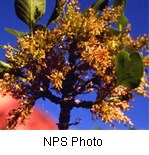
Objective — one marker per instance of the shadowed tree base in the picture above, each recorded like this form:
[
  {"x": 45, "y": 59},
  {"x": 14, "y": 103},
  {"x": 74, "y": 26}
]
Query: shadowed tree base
[{"x": 64, "y": 117}]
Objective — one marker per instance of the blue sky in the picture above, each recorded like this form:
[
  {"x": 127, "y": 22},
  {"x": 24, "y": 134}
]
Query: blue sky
[{"x": 136, "y": 12}]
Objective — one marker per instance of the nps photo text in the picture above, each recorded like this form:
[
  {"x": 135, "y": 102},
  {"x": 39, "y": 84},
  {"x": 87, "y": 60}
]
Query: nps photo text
[{"x": 72, "y": 141}]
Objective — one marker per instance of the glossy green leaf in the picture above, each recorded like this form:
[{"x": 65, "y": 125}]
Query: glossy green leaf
[
  {"x": 30, "y": 11},
  {"x": 4, "y": 66},
  {"x": 129, "y": 69},
  {"x": 15, "y": 32},
  {"x": 59, "y": 6},
  {"x": 122, "y": 20}
]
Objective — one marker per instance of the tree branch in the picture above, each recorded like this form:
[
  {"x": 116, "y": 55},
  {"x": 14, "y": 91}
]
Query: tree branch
[
  {"x": 82, "y": 104},
  {"x": 47, "y": 94}
]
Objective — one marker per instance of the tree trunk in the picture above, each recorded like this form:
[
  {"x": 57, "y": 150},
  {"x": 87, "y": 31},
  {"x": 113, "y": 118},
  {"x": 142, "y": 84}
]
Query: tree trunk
[{"x": 64, "y": 117}]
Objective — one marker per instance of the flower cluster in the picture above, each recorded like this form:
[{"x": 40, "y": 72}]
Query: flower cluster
[
  {"x": 111, "y": 108},
  {"x": 36, "y": 56},
  {"x": 19, "y": 115},
  {"x": 82, "y": 45},
  {"x": 56, "y": 78},
  {"x": 80, "y": 26},
  {"x": 37, "y": 63},
  {"x": 111, "y": 112},
  {"x": 143, "y": 88},
  {"x": 96, "y": 55},
  {"x": 137, "y": 44}
]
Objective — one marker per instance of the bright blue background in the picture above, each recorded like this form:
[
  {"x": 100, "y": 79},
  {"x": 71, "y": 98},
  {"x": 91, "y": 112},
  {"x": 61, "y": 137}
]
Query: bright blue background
[{"x": 137, "y": 13}]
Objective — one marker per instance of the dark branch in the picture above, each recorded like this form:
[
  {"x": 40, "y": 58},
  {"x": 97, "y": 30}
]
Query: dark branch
[
  {"x": 72, "y": 103},
  {"x": 47, "y": 94},
  {"x": 82, "y": 104}
]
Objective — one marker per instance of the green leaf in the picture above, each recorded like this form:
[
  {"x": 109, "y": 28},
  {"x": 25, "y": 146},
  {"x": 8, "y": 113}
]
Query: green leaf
[
  {"x": 122, "y": 20},
  {"x": 30, "y": 11},
  {"x": 120, "y": 2},
  {"x": 114, "y": 31},
  {"x": 129, "y": 69},
  {"x": 99, "y": 5},
  {"x": 39, "y": 27},
  {"x": 15, "y": 32},
  {"x": 59, "y": 6},
  {"x": 4, "y": 66}
]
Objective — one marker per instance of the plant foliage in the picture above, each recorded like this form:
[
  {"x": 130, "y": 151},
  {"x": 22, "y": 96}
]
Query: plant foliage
[
  {"x": 15, "y": 32},
  {"x": 122, "y": 21},
  {"x": 82, "y": 54},
  {"x": 30, "y": 11},
  {"x": 129, "y": 69}
]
